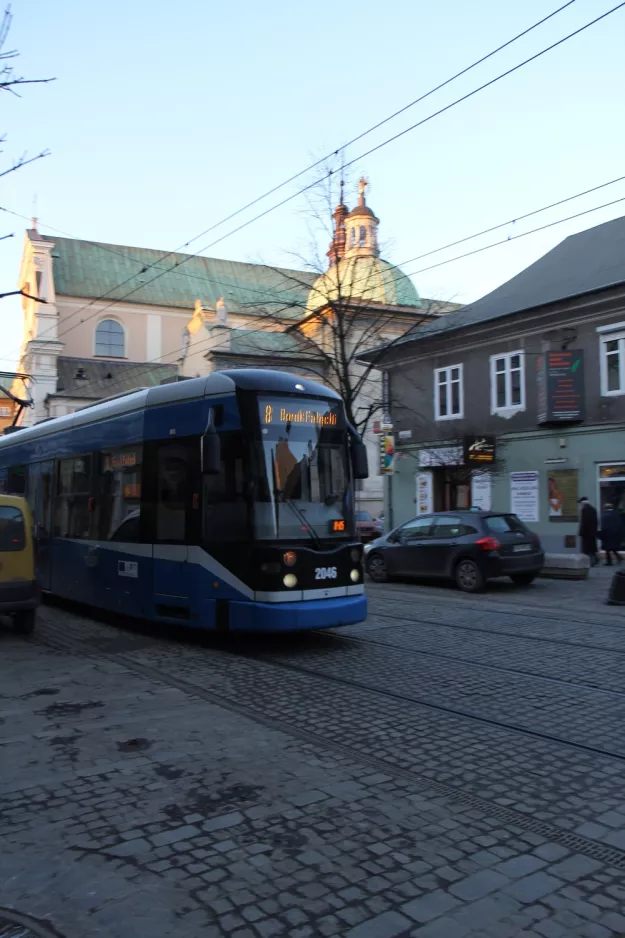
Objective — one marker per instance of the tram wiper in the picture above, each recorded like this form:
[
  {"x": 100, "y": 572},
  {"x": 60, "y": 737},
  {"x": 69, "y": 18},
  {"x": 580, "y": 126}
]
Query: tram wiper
[{"x": 300, "y": 515}]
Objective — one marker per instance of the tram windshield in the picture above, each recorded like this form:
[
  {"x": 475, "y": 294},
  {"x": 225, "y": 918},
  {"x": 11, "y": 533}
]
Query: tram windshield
[{"x": 303, "y": 489}]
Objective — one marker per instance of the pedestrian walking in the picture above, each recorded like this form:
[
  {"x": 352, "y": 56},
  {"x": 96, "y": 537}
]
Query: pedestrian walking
[
  {"x": 588, "y": 526},
  {"x": 611, "y": 533}
]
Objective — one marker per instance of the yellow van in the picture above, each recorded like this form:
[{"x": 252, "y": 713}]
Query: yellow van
[{"x": 19, "y": 595}]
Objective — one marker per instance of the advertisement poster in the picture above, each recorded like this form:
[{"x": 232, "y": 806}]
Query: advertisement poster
[
  {"x": 387, "y": 453},
  {"x": 425, "y": 493},
  {"x": 562, "y": 494},
  {"x": 560, "y": 386},
  {"x": 481, "y": 491},
  {"x": 524, "y": 498}
]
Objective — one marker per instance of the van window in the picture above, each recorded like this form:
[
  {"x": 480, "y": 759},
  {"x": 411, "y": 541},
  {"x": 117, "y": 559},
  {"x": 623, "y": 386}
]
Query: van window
[{"x": 12, "y": 532}]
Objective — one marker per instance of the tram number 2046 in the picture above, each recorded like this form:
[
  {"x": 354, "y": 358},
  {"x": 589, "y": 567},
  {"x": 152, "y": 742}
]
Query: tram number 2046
[{"x": 325, "y": 573}]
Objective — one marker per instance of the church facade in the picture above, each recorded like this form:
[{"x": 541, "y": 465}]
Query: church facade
[{"x": 103, "y": 319}]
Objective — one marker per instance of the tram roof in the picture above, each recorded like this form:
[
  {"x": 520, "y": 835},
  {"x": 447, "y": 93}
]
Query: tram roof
[{"x": 216, "y": 384}]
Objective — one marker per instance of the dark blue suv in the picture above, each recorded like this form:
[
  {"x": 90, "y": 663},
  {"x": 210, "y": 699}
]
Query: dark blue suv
[{"x": 469, "y": 547}]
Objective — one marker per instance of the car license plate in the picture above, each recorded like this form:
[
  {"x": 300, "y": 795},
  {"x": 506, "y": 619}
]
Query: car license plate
[{"x": 518, "y": 548}]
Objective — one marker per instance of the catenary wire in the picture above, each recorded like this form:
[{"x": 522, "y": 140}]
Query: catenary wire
[
  {"x": 144, "y": 367},
  {"x": 346, "y": 165}
]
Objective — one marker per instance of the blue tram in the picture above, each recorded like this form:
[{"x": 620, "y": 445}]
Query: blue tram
[{"x": 223, "y": 503}]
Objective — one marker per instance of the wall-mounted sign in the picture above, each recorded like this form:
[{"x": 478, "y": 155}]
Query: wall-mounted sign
[
  {"x": 387, "y": 453},
  {"x": 405, "y": 434},
  {"x": 560, "y": 386},
  {"x": 524, "y": 501},
  {"x": 441, "y": 456},
  {"x": 563, "y": 494},
  {"x": 481, "y": 491},
  {"x": 479, "y": 450},
  {"x": 425, "y": 493}
]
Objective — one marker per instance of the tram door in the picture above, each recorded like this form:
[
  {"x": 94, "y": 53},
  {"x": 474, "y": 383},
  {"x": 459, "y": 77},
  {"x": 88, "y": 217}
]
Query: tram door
[
  {"x": 40, "y": 499},
  {"x": 173, "y": 528}
]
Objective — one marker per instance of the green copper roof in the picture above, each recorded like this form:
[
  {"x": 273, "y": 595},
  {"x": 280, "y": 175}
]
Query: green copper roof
[
  {"x": 257, "y": 342},
  {"x": 89, "y": 269},
  {"x": 370, "y": 279}
]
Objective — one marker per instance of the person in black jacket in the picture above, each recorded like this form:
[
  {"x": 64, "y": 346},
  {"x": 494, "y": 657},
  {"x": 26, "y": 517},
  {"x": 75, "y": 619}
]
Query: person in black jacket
[
  {"x": 611, "y": 533},
  {"x": 588, "y": 526}
]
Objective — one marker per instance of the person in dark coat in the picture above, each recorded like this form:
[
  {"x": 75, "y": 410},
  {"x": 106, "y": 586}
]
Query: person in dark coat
[
  {"x": 611, "y": 533},
  {"x": 588, "y": 526}
]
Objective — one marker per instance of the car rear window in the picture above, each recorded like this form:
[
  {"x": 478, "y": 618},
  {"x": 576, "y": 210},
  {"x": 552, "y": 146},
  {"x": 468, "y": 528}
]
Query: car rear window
[
  {"x": 363, "y": 516},
  {"x": 503, "y": 524},
  {"x": 12, "y": 533}
]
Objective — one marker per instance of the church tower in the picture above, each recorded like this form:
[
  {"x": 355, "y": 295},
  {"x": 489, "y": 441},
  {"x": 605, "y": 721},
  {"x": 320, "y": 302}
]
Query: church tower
[{"x": 361, "y": 228}]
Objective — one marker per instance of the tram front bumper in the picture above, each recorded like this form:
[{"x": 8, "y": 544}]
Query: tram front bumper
[{"x": 297, "y": 616}]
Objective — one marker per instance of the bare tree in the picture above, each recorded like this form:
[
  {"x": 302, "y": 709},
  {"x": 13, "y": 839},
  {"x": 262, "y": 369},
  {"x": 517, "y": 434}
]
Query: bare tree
[
  {"x": 10, "y": 81},
  {"x": 343, "y": 316}
]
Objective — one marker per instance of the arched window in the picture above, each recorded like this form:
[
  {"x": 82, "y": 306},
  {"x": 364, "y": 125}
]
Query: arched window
[
  {"x": 363, "y": 236},
  {"x": 352, "y": 238},
  {"x": 109, "y": 339}
]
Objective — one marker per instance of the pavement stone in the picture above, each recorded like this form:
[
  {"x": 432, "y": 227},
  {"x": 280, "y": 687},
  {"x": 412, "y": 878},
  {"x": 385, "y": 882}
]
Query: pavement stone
[{"x": 173, "y": 787}]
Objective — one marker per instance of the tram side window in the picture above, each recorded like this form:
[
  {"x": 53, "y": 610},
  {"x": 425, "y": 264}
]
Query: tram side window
[
  {"x": 119, "y": 495},
  {"x": 173, "y": 471},
  {"x": 72, "y": 517},
  {"x": 16, "y": 483},
  {"x": 223, "y": 495}
]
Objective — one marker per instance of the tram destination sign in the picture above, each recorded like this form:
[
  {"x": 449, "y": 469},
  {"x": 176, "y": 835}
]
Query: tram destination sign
[
  {"x": 300, "y": 413},
  {"x": 560, "y": 386}
]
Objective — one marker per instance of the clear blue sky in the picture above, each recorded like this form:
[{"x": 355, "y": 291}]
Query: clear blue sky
[{"x": 166, "y": 117}]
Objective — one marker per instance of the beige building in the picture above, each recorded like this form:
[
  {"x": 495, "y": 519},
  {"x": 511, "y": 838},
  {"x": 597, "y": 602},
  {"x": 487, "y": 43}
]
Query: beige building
[{"x": 110, "y": 318}]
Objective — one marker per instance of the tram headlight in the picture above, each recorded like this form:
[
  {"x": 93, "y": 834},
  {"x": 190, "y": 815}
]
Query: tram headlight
[
  {"x": 289, "y": 559},
  {"x": 354, "y": 575},
  {"x": 290, "y": 580}
]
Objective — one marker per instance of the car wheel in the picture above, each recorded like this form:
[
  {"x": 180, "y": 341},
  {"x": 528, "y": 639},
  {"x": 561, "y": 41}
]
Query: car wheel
[
  {"x": 468, "y": 576},
  {"x": 523, "y": 579},
  {"x": 376, "y": 568},
  {"x": 24, "y": 622}
]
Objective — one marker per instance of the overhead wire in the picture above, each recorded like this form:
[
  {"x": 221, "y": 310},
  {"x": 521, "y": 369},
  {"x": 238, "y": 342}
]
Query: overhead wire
[
  {"x": 144, "y": 367},
  {"x": 301, "y": 191}
]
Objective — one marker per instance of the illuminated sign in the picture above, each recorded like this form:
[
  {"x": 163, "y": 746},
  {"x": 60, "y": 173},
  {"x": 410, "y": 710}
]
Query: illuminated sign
[
  {"x": 120, "y": 461},
  {"x": 308, "y": 414},
  {"x": 560, "y": 386},
  {"x": 337, "y": 526},
  {"x": 479, "y": 449}
]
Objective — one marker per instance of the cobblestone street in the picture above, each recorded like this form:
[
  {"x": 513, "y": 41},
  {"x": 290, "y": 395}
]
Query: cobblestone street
[{"x": 453, "y": 767}]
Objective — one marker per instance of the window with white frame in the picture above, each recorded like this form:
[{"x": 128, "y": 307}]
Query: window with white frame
[
  {"x": 507, "y": 382},
  {"x": 448, "y": 392},
  {"x": 613, "y": 363}
]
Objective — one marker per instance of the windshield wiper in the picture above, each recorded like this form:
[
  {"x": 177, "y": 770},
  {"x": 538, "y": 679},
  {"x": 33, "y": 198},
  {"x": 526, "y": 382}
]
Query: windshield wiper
[{"x": 301, "y": 516}]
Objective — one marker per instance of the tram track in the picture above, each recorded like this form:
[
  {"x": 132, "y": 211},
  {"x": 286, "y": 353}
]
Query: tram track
[
  {"x": 262, "y": 657},
  {"x": 404, "y": 621},
  {"x": 490, "y": 667},
  {"x": 56, "y": 640}
]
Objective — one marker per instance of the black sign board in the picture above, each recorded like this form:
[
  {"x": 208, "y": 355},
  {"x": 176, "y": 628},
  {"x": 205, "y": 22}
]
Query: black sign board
[
  {"x": 560, "y": 385},
  {"x": 479, "y": 450}
]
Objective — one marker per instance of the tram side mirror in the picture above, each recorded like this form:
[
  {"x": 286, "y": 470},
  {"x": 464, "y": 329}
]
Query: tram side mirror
[
  {"x": 211, "y": 453},
  {"x": 360, "y": 463}
]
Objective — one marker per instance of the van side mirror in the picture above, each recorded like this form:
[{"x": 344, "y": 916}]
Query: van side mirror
[
  {"x": 360, "y": 463},
  {"x": 211, "y": 453}
]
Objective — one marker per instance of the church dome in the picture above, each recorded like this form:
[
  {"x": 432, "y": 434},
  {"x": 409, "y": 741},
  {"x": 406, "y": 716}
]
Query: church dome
[{"x": 366, "y": 278}]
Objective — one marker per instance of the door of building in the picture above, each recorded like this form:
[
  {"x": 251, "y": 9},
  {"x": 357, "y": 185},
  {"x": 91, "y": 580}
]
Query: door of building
[{"x": 611, "y": 484}]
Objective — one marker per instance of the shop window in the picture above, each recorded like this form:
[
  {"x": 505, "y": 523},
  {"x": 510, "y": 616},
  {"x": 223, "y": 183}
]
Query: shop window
[
  {"x": 448, "y": 393},
  {"x": 110, "y": 340},
  {"x": 613, "y": 364},
  {"x": 119, "y": 495},
  {"x": 72, "y": 517},
  {"x": 507, "y": 383}
]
